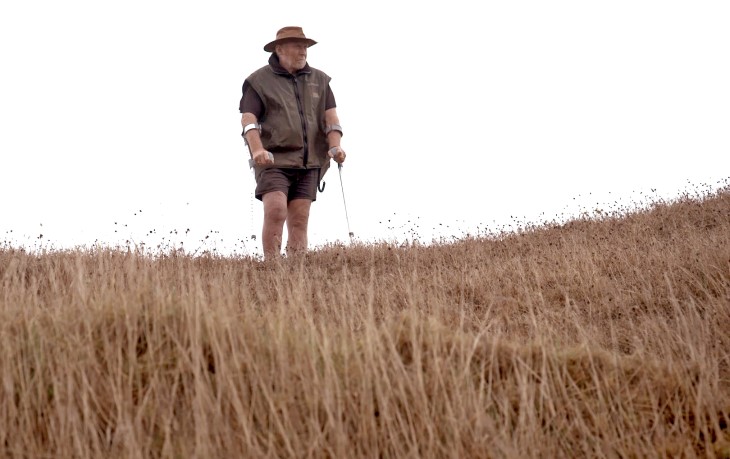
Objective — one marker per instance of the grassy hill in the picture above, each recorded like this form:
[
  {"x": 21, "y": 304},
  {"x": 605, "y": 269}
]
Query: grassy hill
[{"x": 602, "y": 337}]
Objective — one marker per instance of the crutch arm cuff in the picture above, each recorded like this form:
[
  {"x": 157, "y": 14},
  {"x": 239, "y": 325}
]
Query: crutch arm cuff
[{"x": 333, "y": 127}]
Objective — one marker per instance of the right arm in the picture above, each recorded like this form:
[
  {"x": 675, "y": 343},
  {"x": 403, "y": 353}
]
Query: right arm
[
  {"x": 253, "y": 138},
  {"x": 252, "y": 108}
]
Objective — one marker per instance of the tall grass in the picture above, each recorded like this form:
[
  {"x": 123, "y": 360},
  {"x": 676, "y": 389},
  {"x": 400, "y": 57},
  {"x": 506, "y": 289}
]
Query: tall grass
[{"x": 601, "y": 337}]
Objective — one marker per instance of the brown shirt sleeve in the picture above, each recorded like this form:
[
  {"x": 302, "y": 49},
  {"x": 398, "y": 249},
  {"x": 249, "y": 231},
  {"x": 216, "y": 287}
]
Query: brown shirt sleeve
[
  {"x": 250, "y": 101},
  {"x": 330, "y": 102}
]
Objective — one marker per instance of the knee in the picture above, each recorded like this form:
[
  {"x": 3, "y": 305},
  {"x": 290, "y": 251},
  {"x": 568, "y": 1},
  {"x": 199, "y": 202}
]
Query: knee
[
  {"x": 275, "y": 213},
  {"x": 298, "y": 219}
]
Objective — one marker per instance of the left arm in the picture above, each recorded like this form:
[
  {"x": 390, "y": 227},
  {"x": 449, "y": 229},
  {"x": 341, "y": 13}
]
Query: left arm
[{"x": 334, "y": 136}]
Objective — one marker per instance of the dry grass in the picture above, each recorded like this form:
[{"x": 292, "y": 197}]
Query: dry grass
[{"x": 602, "y": 337}]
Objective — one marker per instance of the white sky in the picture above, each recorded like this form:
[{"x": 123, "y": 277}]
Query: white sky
[{"x": 458, "y": 115}]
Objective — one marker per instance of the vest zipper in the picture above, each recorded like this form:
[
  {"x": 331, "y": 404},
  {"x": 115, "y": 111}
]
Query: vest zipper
[{"x": 304, "y": 120}]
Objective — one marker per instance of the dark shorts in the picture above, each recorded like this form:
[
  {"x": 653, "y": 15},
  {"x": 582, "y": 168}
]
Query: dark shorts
[{"x": 294, "y": 183}]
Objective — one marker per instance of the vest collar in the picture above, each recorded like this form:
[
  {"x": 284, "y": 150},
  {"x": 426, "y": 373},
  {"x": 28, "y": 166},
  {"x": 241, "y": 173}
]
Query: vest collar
[{"x": 279, "y": 70}]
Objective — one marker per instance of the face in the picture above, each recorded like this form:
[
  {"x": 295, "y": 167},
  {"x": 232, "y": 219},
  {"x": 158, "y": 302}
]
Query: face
[{"x": 292, "y": 55}]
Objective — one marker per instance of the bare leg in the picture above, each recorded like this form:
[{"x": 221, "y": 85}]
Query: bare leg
[
  {"x": 274, "y": 217},
  {"x": 297, "y": 221}
]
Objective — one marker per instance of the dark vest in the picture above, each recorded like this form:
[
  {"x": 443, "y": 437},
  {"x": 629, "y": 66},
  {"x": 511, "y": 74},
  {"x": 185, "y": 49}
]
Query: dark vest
[{"x": 292, "y": 124}]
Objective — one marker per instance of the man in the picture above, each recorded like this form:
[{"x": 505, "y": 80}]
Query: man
[{"x": 290, "y": 125}]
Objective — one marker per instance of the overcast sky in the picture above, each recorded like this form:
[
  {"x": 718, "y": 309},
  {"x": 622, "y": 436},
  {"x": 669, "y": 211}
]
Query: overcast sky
[{"x": 458, "y": 116}]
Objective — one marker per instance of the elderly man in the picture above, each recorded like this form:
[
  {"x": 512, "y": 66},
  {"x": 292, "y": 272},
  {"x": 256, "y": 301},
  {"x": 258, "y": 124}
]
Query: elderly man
[{"x": 290, "y": 125}]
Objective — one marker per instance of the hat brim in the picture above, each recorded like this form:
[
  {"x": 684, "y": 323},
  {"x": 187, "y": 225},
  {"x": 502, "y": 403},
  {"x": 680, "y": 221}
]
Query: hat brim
[{"x": 272, "y": 45}]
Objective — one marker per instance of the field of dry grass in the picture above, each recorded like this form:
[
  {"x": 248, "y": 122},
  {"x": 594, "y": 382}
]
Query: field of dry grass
[{"x": 600, "y": 337}]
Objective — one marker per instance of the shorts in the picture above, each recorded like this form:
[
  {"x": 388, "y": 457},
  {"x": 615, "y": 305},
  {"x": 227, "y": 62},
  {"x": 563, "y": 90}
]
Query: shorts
[{"x": 294, "y": 183}]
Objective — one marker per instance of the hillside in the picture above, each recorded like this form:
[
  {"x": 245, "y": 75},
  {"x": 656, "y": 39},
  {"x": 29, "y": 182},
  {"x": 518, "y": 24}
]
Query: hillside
[{"x": 601, "y": 337}]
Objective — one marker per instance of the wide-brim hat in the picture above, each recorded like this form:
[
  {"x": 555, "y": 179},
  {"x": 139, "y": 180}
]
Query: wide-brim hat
[{"x": 289, "y": 34}]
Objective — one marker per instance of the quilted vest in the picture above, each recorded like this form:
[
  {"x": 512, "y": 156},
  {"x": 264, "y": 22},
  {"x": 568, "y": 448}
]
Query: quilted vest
[{"x": 293, "y": 117}]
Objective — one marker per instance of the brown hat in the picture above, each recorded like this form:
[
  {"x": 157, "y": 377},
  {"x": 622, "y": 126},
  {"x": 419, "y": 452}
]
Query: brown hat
[{"x": 289, "y": 34}]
